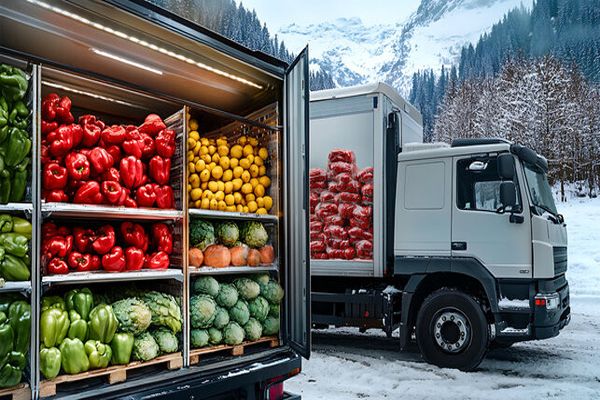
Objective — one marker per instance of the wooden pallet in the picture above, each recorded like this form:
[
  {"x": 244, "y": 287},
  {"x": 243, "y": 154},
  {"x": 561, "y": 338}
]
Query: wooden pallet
[
  {"x": 19, "y": 392},
  {"x": 115, "y": 373},
  {"x": 237, "y": 350}
]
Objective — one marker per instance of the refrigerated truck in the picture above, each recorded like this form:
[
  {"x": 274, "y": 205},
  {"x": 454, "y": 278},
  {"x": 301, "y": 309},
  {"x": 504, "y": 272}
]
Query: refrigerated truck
[
  {"x": 123, "y": 60},
  {"x": 469, "y": 250}
]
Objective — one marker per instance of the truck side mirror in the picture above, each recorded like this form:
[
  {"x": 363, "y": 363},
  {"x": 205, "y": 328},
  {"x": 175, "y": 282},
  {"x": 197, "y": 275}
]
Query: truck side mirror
[
  {"x": 508, "y": 194},
  {"x": 506, "y": 166}
]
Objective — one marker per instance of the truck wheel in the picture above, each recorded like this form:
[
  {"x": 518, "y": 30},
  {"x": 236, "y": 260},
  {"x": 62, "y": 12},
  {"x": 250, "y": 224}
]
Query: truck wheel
[{"x": 452, "y": 331}]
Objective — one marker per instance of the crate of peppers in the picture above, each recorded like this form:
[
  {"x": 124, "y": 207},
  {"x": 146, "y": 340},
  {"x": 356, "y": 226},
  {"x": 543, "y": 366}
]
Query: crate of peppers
[
  {"x": 128, "y": 246},
  {"x": 82, "y": 331},
  {"x": 89, "y": 162}
]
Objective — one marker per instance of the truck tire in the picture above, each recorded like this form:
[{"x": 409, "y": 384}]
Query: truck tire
[{"x": 452, "y": 331}]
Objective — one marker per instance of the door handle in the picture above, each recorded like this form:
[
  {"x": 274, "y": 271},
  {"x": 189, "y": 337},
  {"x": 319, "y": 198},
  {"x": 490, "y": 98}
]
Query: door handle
[{"x": 459, "y": 245}]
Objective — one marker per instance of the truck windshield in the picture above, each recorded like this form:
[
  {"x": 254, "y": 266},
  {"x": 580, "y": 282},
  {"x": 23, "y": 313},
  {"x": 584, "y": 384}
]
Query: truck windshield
[{"x": 539, "y": 190}]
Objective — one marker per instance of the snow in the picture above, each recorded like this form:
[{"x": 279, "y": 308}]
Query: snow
[
  {"x": 515, "y": 304},
  {"x": 346, "y": 364}
]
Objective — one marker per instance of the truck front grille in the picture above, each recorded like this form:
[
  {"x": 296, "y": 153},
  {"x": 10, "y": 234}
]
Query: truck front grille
[{"x": 560, "y": 260}]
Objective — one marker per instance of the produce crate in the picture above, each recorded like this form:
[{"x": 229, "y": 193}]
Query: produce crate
[
  {"x": 19, "y": 392},
  {"x": 238, "y": 350},
  {"x": 114, "y": 374}
]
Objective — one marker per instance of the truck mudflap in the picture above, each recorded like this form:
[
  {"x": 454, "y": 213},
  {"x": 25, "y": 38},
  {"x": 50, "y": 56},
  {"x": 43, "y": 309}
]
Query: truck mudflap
[{"x": 247, "y": 380}]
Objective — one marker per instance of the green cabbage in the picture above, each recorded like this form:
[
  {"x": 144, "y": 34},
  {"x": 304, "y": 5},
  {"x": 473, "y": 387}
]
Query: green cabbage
[
  {"x": 272, "y": 291},
  {"x": 227, "y": 233},
  {"x": 221, "y": 318},
  {"x": 233, "y": 334},
  {"x": 254, "y": 234},
  {"x": 199, "y": 338},
  {"x": 202, "y": 234},
  {"x": 206, "y": 285},
  {"x": 145, "y": 347},
  {"x": 259, "y": 308},
  {"x": 133, "y": 315},
  {"x": 261, "y": 279},
  {"x": 274, "y": 310},
  {"x": 247, "y": 288},
  {"x": 239, "y": 312},
  {"x": 270, "y": 326},
  {"x": 202, "y": 311},
  {"x": 215, "y": 336},
  {"x": 166, "y": 340},
  {"x": 253, "y": 329},
  {"x": 227, "y": 295}
]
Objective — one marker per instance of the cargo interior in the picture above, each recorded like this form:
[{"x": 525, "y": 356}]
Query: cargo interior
[{"x": 121, "y": 68}]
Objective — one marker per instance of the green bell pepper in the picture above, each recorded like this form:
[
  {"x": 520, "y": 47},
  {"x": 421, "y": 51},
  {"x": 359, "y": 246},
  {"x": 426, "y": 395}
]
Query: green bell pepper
[
  {"x": 122, "y": 346},
  {"x": 6, "y": 223},
  {"x": 19, "y": 315},
  {"x": 7, "y": 337},
  {"x": 102, "y": 323},
  {"x": 73, "y": 356},
  {"x": 13, "y": 82},
  {"x": 13, "y": 268},
  {"x": 80, "y": 300},
  {"x": 54, "y": 326},
  {"x": 22, "y": 226},
  {"x": 6, "y": 299},
  {"x": 3, "y": 317},
  {"x": 19, "y": 180},
  {"x": 17, "y": 147},
  {"x": 78, "y": 328},
  {"x": 98, "y": 353},
  {"x": 5, "y": 184},
  {"x": 50, "y": 362},
  {"x": 12, "y": 372},
  {"x": 53, "y": 302},
  {"x": 14, "y": 243},
  {"x": 3, "y": 137}
]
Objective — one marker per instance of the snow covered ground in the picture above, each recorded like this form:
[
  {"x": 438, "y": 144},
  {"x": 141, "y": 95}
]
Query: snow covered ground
[{"x": 350, "y": 365}]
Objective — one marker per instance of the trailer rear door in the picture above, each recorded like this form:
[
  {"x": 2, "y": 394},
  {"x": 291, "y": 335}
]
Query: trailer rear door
[{"x": 296, "y": 204}]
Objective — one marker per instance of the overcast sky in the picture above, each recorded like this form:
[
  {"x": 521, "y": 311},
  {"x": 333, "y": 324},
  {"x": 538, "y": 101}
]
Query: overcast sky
[{"x": 278, "y": 13}]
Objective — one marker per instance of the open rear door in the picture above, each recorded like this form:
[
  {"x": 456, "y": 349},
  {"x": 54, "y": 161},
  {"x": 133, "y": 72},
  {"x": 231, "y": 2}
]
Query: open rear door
[{"x": 296, "y": 204}]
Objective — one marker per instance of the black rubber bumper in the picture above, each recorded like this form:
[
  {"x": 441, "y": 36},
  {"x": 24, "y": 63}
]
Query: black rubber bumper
[{"x": 548, "y": 323}]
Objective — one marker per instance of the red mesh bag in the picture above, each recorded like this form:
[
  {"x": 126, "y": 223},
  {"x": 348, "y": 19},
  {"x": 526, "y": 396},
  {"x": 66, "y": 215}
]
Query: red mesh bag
[
  {"x": 316, "y": 226},
  {"x": 317, "y": 236},
  {"x": 324, "y": 210},
  {"x": 365, "y": 175},
  {"x": 317, "y": 175},
  {"x": 319, "y": 256},
  {"x": 333, "y": 220},
  {"x": 364, "y": 249},
  {"x": 314, "y": 199},
  {"x": 358, "y": 233},
  {"x": 346, "y": 210},
  {"x": 335, "y": 231},
  {"x": 338, "y": 243},
  {"x": 327, "y": 197},
  {"x": 341, "y": 155},
  {"x": 332, "y": 187},
  {"x": 349, "y": 197},
  {"x": 363, "y": 212},
  {"x": 367, "y": 190},
  {"x": 341, "y": 168},
  {"x": 348, "y": 253},
  {"x": 335, "y": 253},
  {"x": 343, "y": 178},
  {"x": 317, "y": 185},
  {"x": 317, "y": 246}
]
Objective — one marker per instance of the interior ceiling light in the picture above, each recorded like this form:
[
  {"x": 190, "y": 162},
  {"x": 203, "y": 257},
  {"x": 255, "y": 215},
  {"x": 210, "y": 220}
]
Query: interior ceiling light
[
  {"x": 143, "y": 43},
  {"x": 89, "y": 94},
  {"x": 126, "y": 61}
]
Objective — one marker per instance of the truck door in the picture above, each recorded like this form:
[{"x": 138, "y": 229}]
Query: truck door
[
  {"x": 479, "y": 228},
  {"x": 296, "y": 204}
]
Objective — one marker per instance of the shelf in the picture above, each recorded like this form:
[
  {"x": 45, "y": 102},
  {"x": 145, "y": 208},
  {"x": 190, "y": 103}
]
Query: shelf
[
  {"x": 231, "y": 270},
  {"x": 101, "y": 276},
  {"x": 199, "y": 212},
  {"x": 16, "y": 207},
  {"x": 107, "y": 212},
  {"x": 24, "y": 286}
]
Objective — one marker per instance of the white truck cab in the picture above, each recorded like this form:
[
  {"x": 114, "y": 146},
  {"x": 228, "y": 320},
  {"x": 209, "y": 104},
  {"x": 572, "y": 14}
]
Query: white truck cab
[{"x": 466, "y": 234}]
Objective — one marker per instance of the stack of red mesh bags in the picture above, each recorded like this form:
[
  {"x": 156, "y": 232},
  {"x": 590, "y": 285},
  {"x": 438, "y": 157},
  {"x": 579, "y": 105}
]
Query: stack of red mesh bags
[{"x": 341, "y": 207}]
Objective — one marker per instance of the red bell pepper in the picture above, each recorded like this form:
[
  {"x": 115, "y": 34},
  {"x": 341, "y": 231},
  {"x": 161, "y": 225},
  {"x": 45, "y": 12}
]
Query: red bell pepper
[
  {"x": 78, "y": 166},
  {"x": 145, "y": 196},
  {"x": 53, "y": 107},
  {"x": 55, "y": 196},
  {"x": 92, "y": 130},
  {"x": 162, "y": 238},
  {"x": 114, "y": 134},
  {"x": 60, "y": 141},
  {"x": 134, "y": 258},
  {"x": 48, "y": 103},
  {"x": 57, "y": 246},
  {"x": 90, "y": 119},
  {"x": 115, "y": 152},
  {"x": 132, "y": 172},
  {"x": 164, "y": 197},
  {"x": 58, "y": 266},
  {"x": 95, "y": 263},
  {"x": 158, "y": 260},
  {"x": 149, "y": 148},
  {"x": 50, "y": 229},
  {"x": 133, "y": 144},
  {"x": 100, "y": 159},
  {"x": 77, "y": 134},
  {"x": 105, "y": 239},
  {"x": 111, "y": 174},
  {"x": 133, "y": 234},
  {"x": 114, "y": 260},
  {"x": 129, "y": 202},
  {"x": 165, "y": 143},
  {"x": 48, "y": 127},
  {"x": 54, "y": 177},
  {"x": 112, "y": 191},
  {"x": 80, "y": 262},
  {"x": 160, "y": 169},
  {"x": 152, "y": 125},
  {"x": 83, "y": 239},
  {"x": 88, "y": 193}
]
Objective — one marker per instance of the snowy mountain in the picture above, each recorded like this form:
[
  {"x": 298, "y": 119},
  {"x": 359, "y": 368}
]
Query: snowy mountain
[{"x": 432, "y": 36}]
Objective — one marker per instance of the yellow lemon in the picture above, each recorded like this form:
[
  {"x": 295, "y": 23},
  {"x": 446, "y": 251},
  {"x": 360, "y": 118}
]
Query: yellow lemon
[
  {"x": 212, "y": 149},
  {"x": 237, "y": 197},
  {"x": 246, "y": 176},
  {"x": 196, "y": 204},
  {"x": 205, "y": 175},
  {"x": 211, "y": 166},
  {"x": 246, "y": 188},
  {"x": 191, "y": 143},
  {"x": 228, "y": 187},
  {"x": 217, "y": 172},
  {"x": 193, "y": 124},
  {"x": 236, "y": 151},
  {"x": 252, "y": 207},
  {"x": 268, "y": 202},
  {"x": 216, "y": 158},
  {"x": 259, "y": 190},
  {"x": 253, "y": 141},
  {"x": 221, "y": 185},
  {"x": 250, "y": 197},
  {"x": 230, "y": 209},
  {"x": 204, "y": 185},
  {"x": 260, "y": 202},
  {"x": 205, "y": 204},
  {"x": 200, "y": 165},
  {"x": 203, "y": 150},
  {"x": 196, "y": 158},
  {"x": 229, "y": 200},
  {"x": 237, "y": 172},
  {"x": 239, "y": 208},
  {"x": 246, "y": 209},
  {"x": 233, "y": 162},
  {"x": 265, "y": 181},
  {"x": 194, "y": 134},
  {"x": 189, "y": 188},
  {"x": 212, "y": 186},
  {"x": 242, "y": 140},
  {"x": 258, "y": 161},
  {"x": 223, "y": 150},
  {"x": 195, "y": 194},
  {"x": 190, "y": 156},
  {"x": 206, "y": 158},
  {"x": 250, "y": 158},
  {"x": 227, "y": 175},
  {"x": 254, "y": 182},
  {"x": 221, "y": 205},
  {"x": 245, "y": 163},
  {"x": 261, "y": 211},
  {"x": 254, "y": 170},
  {"x": 213, "y": 205},
  {"x": 248, "y": 149},
  {"x": 204, "y": 142},
  {"x": 196, "y": 148},
  {"x": 222, "y": 141},
  {"x": 219, "y": 195},
  {"x": 224, "y": 162},
  {"x": 194, "y": 180},
  {"x": 237, "y": 184},
  {"x": 207, "y": 194},
  {"x": 191, "y": 167},
  {"x": 263, "y": 153}
]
